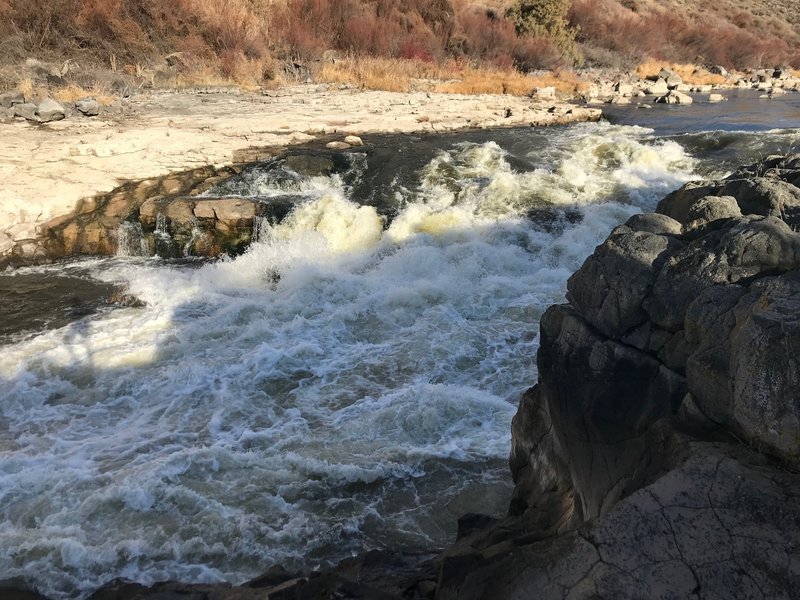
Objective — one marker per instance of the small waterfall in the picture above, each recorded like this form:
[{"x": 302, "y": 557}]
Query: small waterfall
[
  {"x": 131, "y": 240},
  {"x": 262, "y": 229},
  {"x": 165, "y": 245},
  {"x": 196, "y": 235}
]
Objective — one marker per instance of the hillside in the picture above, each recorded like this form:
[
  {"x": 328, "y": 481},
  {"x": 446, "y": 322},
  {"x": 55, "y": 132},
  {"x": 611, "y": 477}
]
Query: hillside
[{"x": 152, "y": 43}]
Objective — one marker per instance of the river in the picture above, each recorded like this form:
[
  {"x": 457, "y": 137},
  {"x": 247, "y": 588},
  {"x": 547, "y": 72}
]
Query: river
[{"x": 349, "y": 382}]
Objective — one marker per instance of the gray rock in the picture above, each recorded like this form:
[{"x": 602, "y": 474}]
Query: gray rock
[
  {"x": 678, "y": 203},
  {"x": 611, "y": 286},
  {"x": 766, "y": 196},
  {"x": 88, "y": 107},
  {"x": 741, "y": 250},
  {"x": 654, "y": 223},
  {"x": 9, "y": 99},
  {"x": 50, "y": 110},
  {"x": 765, "y": 369},
  {"x": 671, "y": 78},
  {"x": 710, "y": 211},
  {"x": 607, "y": 422},
  {"x": 26, "y": 110},
  {"x": 674, "y": 97},
  {"x": 659, "y": 88}
]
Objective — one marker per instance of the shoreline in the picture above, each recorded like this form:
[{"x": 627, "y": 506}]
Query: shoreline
[{"x": 52, "y": 167}]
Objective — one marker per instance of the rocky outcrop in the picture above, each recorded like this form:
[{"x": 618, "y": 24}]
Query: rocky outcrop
[
  {"x": 192, "y": 226},
  {"x": 94, "y": 227},
  {"x": 658, "y": 455}
]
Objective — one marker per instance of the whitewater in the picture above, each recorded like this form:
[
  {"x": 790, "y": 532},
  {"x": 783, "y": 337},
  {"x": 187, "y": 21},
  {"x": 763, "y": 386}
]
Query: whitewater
[{"x": 347, "y": 383}]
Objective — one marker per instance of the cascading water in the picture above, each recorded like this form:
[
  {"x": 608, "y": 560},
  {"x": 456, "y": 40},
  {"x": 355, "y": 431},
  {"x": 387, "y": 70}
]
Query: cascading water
[
  {"x": 347, "y": 383},
  {"x": 131, "y": 240},
  {"x": 165, "y": 246}
]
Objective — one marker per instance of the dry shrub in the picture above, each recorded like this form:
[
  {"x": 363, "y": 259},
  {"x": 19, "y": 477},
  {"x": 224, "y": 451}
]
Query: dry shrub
[
  {"x": 247, "y": 72},
  {"x": 141, "y": 32},
  {"x": 27, "y": 88},
  {"x": 676, "y": 37}
]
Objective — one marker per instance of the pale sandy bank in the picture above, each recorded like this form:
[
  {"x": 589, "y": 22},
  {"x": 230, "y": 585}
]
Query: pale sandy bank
[{"x": 46, "y": 169}]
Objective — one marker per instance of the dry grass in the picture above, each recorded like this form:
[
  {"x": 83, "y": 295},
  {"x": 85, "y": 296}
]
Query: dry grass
[
  {"x": 388, "y": 74},
  {"x": 450, "y": 77},
  {"x": 27, "y": 87},
  {"x": 72, "y": 93},
  {"x": 484, "y": 81},
  {"x": 691, "y": 74}
]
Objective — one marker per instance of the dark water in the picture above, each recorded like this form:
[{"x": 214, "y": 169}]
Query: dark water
[{"x": 32, "y": 302}]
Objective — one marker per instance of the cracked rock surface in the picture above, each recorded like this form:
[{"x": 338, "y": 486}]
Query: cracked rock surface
[{"x": 724, "y": 524}]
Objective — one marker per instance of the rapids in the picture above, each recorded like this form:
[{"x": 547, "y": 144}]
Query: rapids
[{"x": 347, "y": 383}]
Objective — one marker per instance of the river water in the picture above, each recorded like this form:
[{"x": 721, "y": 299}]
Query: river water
[{"x": 349, "y": 382}]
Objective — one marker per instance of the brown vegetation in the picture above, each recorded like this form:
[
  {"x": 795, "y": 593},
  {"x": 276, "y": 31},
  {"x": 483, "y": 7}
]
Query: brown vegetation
[
  {"x": 389, "y": 44},
  {"x": 621, "y": 34}
]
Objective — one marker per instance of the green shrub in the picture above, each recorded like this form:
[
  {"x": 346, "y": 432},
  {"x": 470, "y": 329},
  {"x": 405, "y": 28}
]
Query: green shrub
[{"x": 546, "y": 19}]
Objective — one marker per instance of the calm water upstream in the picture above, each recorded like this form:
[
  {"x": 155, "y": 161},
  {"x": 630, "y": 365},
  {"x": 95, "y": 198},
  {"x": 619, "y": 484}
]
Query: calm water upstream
[{"x": 349, "y": 382}]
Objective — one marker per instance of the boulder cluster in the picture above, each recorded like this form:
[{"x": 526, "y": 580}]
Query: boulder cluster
[
  {"x": 13, "y": 105},
  {"x": 667, "y": 87}
]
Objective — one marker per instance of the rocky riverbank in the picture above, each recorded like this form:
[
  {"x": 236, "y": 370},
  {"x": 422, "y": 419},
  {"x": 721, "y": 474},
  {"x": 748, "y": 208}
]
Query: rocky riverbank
[{"x": 51, "y": 170}]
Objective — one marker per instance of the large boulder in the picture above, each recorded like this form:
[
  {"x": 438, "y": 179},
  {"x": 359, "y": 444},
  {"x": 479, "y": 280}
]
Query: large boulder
[
  {"x": 674, "y": 97},
  {"x": 612, "y": 285},
  {"x": 658, "y": 88},
  {"x": 672, "y": 79},
  {"x": 26, "y": 110},
  {"x": 50, "y": 110}
]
